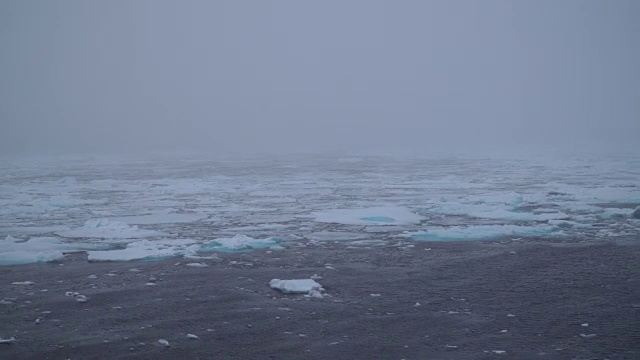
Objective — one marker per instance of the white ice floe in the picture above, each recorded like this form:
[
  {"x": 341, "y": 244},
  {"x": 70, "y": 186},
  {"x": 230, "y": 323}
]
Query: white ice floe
[
  {"x": 170, "y": 218},
  {"x": 7, "y": 301},
  {"x": 22, "y": 283},
  {"x": 107, "y": 229},
  {"x": 499, "y": 352},
  {"x": 163, "y": 342},
  {"x": 192, "y": 336},
  {"x": 238, "y": 242},
  {"x": 10, "y": 340},
  {"x": 39, "y": 249},
  {"x": 335, "y": 236},
  {"x": 491, "y": 210},
  {"x": 137, "y": 250},
  {"x": 480, "y": 232},
  {"x": 197, "y": 265},
  {"x": 297, "y": 286},
  {"x": 383, "y": 215}
]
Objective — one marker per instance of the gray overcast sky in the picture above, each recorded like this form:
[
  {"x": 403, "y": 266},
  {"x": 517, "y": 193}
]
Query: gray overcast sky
[{"x": 343, "y": 75}]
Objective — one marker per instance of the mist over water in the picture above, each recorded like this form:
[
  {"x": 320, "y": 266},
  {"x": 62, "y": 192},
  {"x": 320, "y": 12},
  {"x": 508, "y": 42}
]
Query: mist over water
[{"x": 386, "y": 77}]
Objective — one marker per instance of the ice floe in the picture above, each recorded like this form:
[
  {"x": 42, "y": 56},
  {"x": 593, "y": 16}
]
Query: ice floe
[
  {"x": 10, "y": 340},
  {"x": 22, "y": 283},
  {"x": 137, "y": 250},
  {"x": 171, "y": 218},
  {"x": 190, "y": 211},
  {"x": 494, "y": 211},
  {"x": 107, "y": 229},
  {"x": 163, "y": 342},
  {"x": 14, "y": 251},
  {"x": 297, "y": 286},
  {"x": 335, "y": 236},
  {"x": 479, "y": 232},
  {"x": 197, "y": 265},
  {"x": 383, "y": 215},
  {"x": 238, "y": 242}
]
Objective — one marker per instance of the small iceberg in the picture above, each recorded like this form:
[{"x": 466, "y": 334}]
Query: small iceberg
[{"x": 297, "y": 286}]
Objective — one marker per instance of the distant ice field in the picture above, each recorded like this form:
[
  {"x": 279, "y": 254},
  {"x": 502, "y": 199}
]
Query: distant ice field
[{"x": 122, "y": 209}]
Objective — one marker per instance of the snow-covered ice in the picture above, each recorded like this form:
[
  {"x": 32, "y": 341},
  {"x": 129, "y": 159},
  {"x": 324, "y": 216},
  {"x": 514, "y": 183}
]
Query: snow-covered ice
[
  {"x": 137, "y": 250},
  {"x": 197, "y": 265},
  {"x": 121, "y": 209},
  {"x": 381, "y": 215},
  {"x": 238, "y": 242},
  {"x": 14, "y": 251},
  {"x": 22, "y": 283},
  {"x": 163, "y": 342},
  {"x": 480, "y": 232},
  {"x": 107, "y": 229},
  {"x": 296, "y": 286},
  {"x": 169, "y": 218},
  {"x": 10, "y": 340}
]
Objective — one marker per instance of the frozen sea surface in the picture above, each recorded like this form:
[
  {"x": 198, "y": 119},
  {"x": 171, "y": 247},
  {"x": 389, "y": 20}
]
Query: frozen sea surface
[{"x": 144, "y": 208}]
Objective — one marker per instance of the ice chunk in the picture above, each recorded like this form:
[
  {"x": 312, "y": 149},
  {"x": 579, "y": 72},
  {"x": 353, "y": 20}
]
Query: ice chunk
[
  {"x": 493, "y": 211},
  {"x": 28, "y": 257},
  {"x": 158, "y": 219},
  {"x": 38, "y": 249},
  {"x": 163, "y": 342},
  {"x": 384, "y": 215},
  {"x": 479, "y": 232},
  {"x": 335, "y": 236},
  {"x": 137, "y": 250},
  {"x": 296, "y": 286},
  {"x": 238, "y": 242},
  {"x": 10, "y": 340},
  {"x": 107, "y": 229},
  {"x": 199, "y": 265}
]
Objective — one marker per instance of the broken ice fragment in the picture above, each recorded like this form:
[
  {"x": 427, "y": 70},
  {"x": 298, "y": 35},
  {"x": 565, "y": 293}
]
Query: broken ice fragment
[
  {"x": 200, "y": 265},
  {"x": 10, "y": 340},
  {"x": 297, "y": 286},
  {"x": 22, "y": 283},
  {"x": 163, "y": 342}
]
